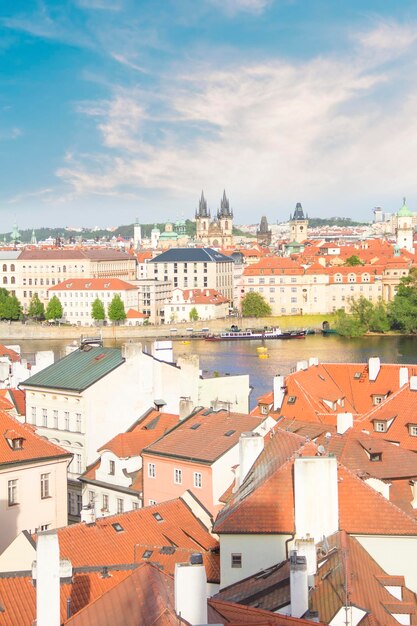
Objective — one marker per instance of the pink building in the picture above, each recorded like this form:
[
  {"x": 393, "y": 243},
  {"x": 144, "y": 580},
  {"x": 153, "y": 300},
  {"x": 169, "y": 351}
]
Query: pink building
[{"x": 198, "y": 455}]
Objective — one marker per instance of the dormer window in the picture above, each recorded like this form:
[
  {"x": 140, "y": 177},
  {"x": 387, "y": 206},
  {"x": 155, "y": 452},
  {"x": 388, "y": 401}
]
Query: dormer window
[
  {"x": 16, "y": 443},
  {"x": 264, "y": 409},
  {"x": 412, "y": 430},
  {"x": 375, "y": 456},
  {"x": 69, "y": 285},
  {"x": 380, "y": 427},
  {"x": 291, "y": 399},
  {"x": 378, "y": 399}
]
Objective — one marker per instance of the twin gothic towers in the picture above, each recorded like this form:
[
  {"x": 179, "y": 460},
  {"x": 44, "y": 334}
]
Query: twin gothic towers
[{"x": 216, "y": 232}]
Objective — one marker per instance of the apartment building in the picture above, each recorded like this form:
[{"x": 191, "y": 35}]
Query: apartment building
[
  {"x": 8, "y": 269},
  {"x": 78, "y": 294},
  {"x": 40, "y": 269},
  {"x": 209, "y": 304},
  {"x": 152, "y": 296},
  {"x": 194, "y": 268}
]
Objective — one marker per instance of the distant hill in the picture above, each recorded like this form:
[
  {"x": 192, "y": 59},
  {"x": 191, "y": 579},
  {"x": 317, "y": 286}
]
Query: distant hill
[{"x": 315, "y": 222}]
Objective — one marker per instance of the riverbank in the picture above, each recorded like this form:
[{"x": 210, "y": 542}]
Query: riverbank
[{"x": 17, "y": 331}]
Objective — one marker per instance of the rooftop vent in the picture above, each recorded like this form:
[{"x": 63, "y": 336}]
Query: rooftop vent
[{"x": 118, "y": 527}]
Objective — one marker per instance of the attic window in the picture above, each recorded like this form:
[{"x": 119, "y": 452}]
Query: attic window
[
  {"x": 357, "y": 375},
  {"x": 380, "y": 427},
  {"x": 375, "y": 456},
  {"x": 229, "y": 433},
  {"x": 147, "y": 554},
  {"x": 291, "y": 399},
  {"x": 158, "y": 517},
  {"x": 195, "y": 426},
  {"x": 264, "y": 409},
  {"x": 87, "y": 285},
  {"x": 106, "y": 285},
  {"x": 69, "y": 285},
  {"x": 118, "y": 527},
  {"x": 378, "y": 399},
  {"x": 17, "y": 443},
  {"x": 412, "y": 429}
]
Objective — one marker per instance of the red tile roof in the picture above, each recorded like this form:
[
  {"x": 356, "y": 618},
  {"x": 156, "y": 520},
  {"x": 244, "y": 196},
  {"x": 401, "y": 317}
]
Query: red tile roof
[
  {"x": 132, "y": 314},
  {"x": 240, "y": 615},
  {"x": 33, "y": 448},
  {"x": 8, "y": 352},
  {"x": 93, "y": 284},
  {"x": 204, "y": 436},
  {"x": 100, "y": 543},
  {"x": 203, "y": 296}
]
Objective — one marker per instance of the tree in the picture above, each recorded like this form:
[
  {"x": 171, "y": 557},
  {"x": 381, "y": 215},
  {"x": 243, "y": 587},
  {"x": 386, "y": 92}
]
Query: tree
[
  {"x": 353, "y": 260},
  {"x": 348, "y": 325},
  {"x": 402, "y": 311},
  {"x": 254, "y": 305},
  {"x": 10, "y": 308},
  {"x": 36, "y": 308},
  {"x": 54, "y": 309},
  {"x": 116, "y": 309},
  {"x": 97, "y": 310},
  {"x": 193, "y": 315},
  {"x": 379, "y": 322}
]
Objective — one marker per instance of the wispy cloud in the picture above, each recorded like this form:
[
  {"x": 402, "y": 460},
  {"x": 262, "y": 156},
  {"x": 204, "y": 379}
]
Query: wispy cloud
[
  {"x": 12, "y": 133},
  {"x": 124, "y": 60},
  {"x": 246, "y": 6},
  {"x": 100, "y": 5},
  {"x": 38, "y": 193}
]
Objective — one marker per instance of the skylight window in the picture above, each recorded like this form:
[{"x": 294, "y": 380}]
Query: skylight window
[
  {"x": 147, "y": 554},
  {"x": 357, "y": 375},
  {"x": 229, "y": 433},
  {"x": 158, "y": 517},
  {"x": 118, "y": 527},
  {"x": 291, "y": 399},
  {"x": 167, "y": 550},
  {"x": 195, "y": 426}
]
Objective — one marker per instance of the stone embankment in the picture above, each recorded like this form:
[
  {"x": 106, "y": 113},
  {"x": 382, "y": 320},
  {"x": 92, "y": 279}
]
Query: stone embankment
[{"x": 17, "y": 331}]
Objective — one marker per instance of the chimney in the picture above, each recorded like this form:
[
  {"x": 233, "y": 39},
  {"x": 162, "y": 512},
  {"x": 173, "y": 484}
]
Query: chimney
[
  {"x": 250, "y": 447},
  {"x": 46, "y": 572},
  {"x": 413, "y": 383},
  {"x": 298, "y": 585},
  {"x": 305, "y": 546},
  {"x": 88, "y": 514},
  {"x": 185, "y": 408},
  {"x": 190, "y": 583},
  {"x": 374, "y": 365},
  {"x": 279, "y": 391},
  {"x": 403, "y": 376},
  {"x": 344, "y": 422},
  {"x": 301, "y": 365},
  {"x": 316, "y": 496},
  {"x": 313, "y": 360}
]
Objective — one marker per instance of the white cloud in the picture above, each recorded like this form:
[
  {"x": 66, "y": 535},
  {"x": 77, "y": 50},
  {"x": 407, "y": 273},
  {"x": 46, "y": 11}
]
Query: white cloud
[
  {"x": 11, "y": 133},
  {"x": 101, "y": 5},
  {"x": 247, "y": 6},
  {"x": 272, "y": 133}
]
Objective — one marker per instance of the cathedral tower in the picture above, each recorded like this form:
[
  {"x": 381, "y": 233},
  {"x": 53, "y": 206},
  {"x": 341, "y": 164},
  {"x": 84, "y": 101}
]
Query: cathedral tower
[{"x": 298, "y": 224}]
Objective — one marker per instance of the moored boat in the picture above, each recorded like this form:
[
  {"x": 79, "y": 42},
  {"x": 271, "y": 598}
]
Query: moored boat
[{"x": 260, "y": 335}]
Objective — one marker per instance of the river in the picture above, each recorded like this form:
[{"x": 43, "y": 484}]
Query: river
[{"x": 241, "y": 357}]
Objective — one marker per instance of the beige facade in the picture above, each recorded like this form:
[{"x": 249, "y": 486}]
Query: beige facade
[
  {"x": 38, "y": 270},
  {"x": 8, "y": 270},
  {"x": 152, "y": 295},
  {"x": 208, "y": 304}
]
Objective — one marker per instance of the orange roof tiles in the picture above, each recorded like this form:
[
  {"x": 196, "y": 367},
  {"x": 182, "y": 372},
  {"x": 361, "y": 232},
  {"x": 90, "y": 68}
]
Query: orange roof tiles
[
  {"x": 93, "y": 284},
  {"x": 100, "y": 543},
  {"x": 132, "y": 314},
  {"x": 203, "y": 296},
  {"x": 33, "y": 448},
  {"x": 204, "y": 436},
  {"x": 8, "y": 352}
]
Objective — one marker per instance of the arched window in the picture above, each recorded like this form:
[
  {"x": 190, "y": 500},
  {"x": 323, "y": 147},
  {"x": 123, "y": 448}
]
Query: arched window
[
  {"x": 352, "y": 278},
  {"x": 4, "y": 280},
  {"x": 12, "y": 268},
  {"x": 4, "y": 267},
  {"x": 338, "y": 278},
  {"x": 12, "y": 280}
]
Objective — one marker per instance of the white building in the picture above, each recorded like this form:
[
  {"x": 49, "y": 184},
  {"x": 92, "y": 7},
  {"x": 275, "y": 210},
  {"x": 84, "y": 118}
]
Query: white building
[
  {"x": 33, "y": 481},
  {"x": 94, "y": 393},
  {"x": 208, "y": 303},
  {"x": 14, "y": 369},
  {"x": 78, "y": 294}
]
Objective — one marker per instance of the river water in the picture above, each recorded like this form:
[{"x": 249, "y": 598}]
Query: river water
[{"x": 241, "y": 357}]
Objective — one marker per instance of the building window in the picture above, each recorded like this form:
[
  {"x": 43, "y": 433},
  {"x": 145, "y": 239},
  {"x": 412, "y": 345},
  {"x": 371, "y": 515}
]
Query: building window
[
  {"x": 151, "y": 470},
  {"x": 135, "y": 506},
  {"x": 45, "y": 417},
  {"x": 120, "y": 505},
  {"x": 198, "y": 479},
  {"x": 178, "y": 476},
  {"x": 12, "y": 492},
  {"x": 45, "y": 493},
  {"x": 91, "y": 498},
  {"x": 152, "y": 502},
  {"x": 105, "y": 502},
  {"x": 112, "y": 468},
  {"x": 79, "y": 503},
  {"x": 413, "y": 430},
  {"x": 380, "y": 427},
  {"x": 55, "y": 416},
  {"x": 236, "y": 559},
  {"x": 66, "y": 419},
  {"x": 34, "y": 415},
  {"x": 375, "y": 456},
  {"x": 79, "y": 463}
]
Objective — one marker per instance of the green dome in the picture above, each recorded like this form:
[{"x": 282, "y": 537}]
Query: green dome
[{"x": 404, "y": 211}]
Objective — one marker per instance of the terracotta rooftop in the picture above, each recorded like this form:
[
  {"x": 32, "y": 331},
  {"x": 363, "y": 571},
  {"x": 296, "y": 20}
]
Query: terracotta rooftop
[
  {"x": 9, "y": 353},
  {"x": 204, "y": 436},
  {"x": 70, "y": 254},
  {"x": 169, "y": 531},
  {"x": 33, "y": 447},
  {"x": 93, "y": 284}
]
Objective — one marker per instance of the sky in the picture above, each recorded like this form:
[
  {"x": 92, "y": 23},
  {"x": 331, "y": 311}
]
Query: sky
[{"x": 112, "y": 110}]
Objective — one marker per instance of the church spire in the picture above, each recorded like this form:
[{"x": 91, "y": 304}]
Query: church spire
[
  {"x": 202, "y": 207},
  {"x": 224, "y": 207}
]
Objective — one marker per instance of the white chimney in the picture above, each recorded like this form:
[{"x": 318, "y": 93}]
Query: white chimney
[
  {"x": 301, "y": 365},
  {"x": 413, "y": 383},
  {"x": 186, "y": 407},
  {"x": 344, "y": 422},
  {"x": 316, "y": 496},
  {"x": 403, "y": 376},
  {"x": 88, "y": 514},
  {"x": 250, "y": 447},
  {"x": 298, "y": 585},
  {"x": 163, "y": 351},
  {"x": 305, "y": 546},
  {"x": 279, "y": 391},
  {"x": 190, "y": 583},
  {"x": 313, "y": 360},
  {"x": 47, "y": 579},
  {"x": 374, "y": 365}
]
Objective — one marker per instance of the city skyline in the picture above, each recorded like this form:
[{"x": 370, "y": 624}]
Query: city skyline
[{"x": 109, "y": 111}]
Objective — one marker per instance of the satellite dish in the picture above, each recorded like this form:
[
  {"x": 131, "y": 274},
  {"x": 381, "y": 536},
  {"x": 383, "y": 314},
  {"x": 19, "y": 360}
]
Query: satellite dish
[{"x": 321, "y": 450}]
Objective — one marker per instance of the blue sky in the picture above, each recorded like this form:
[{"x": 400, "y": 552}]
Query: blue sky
[{"x": 116, "y": 109}]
